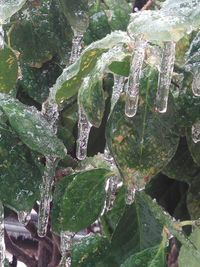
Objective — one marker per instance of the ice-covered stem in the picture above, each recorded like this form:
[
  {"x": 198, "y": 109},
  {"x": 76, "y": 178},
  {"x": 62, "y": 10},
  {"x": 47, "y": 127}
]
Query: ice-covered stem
[
  {"x": 165, "y": 76},
  {"x": 130, "y": 195},
  {"x": 111, "y": 192},
  {"x": 2, "y": 243},
  {"x": 65, "y": 247},
  {"x": 24, "y": 217},
  {"x": 1, "y": 37},
  {"x": 196, "y": 83},
  {"x": 76, "y": 46},
  {"x": 117, "y": 89},
  {"x": 196, "y": 132},
  {"x": 84, "y": 127},
  {"x": 132, "y": 94}
]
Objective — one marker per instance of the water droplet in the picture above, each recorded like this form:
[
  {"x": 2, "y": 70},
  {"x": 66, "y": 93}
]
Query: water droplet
[
  {"x": 2, "y": 243},
  {"x": 196, "y": 132},
  {"x": 132, "y": 94},
  {"x": 117, "y": 89},
  {"x": 84, "y": 127},
  {"x": 165, "y": 76},
  {"x": 196, "y": 84}
]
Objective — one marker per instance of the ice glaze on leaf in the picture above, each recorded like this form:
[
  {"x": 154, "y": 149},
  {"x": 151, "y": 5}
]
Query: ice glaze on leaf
[
  {"x": 32, "y": 128},
  {"x": 143, "y": 145},
  {"x": 8, "y": 70},
  {"x": 80, "y": 203}
]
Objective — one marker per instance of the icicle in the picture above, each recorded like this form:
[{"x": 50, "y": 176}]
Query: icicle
[
  {"x": 84, "y": 127},
  {"x": 165, "y": 76},
  {"x": 132, "y": 94},
  {"x": 66, "y": 247},
  {"x": 24, "y": 217},
  {"x": 117, "y": 89},
  {"x": 1, "y": 37},
  {"x": 196, "y": 132},
  {"x": 196, "y": 84},
  {"x": 130, "y": 195},
  {"x": 46, "y": 196},
  {"x": 76, "y": 46},
  {"x": 2, "y": 243}
]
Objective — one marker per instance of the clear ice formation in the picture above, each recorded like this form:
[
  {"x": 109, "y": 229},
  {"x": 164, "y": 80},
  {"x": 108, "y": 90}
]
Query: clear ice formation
[
  {"x": 117, "y": 89},
  {"x": 2, "y": 243},
  {"x": 196, "y": 84},
  {"x": 9, "y": 8},
  {"x": 165, "y": 76},
  {"x": 111, "y": 192},
  {"x": 1, "y": 37},
  {"x": 130, "y": 195},
  {"x": 196, "y": 132},
  {"x": 65, "y": 247},
  {"x": 132, "y": 93},
  {"x": 84, "y": 127},
  {"x": 76, "y": 47}
]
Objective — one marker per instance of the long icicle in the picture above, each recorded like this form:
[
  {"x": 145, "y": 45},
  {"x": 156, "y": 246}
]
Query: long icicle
[
  {"x": 132, "y": 94},
  {"x": 196, "y": 84},
  {"x": 84, "y": 127},
  {"x": 2, "y": 243},
  {"x": 165, "y": 76},
  {"x": 117, "y": 89}
]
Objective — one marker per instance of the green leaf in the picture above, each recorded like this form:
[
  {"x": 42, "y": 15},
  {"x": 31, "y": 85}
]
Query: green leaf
[
  {"x": 186, "y": 257},
  {"x": 82, "y": 201},
  {"x": 175, "y": 19},
  {"x": 193, "y": 199},
  {"x": 143, "y": 145},
  {"x": 32, "y": 128},
  {"x": 20, "y": 173},
  {"x": 137, "y": 230},
  {"x": 40, "y": 33},
  {"x": 93, "y": 251},
  {"x": 120, "y": 67},
  {"x": 76, "y": 13},
  {"x": 8, "y": 70},
  {"x": 70, "y": 80},
  {"x": 118, "y": 13}
]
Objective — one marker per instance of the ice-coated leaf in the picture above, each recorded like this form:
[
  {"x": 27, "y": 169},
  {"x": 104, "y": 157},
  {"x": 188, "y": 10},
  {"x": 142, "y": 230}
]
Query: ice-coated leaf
[
  {"x": 70, "y": 80},
  {"x": 40, "y": 33},
  {"x": 120, "y": 67},
  {"x": 9, "y": 8},
  {"x": 93, "y": 251},
  {"x": 193, "y": 55},
  {"x": 137, "y": 230},
  {"x": 8, "y": 70},
  {"x": 20, "y": 173},
  {"x": 32, "y": 128},
  {"x": 143, "y": 145},
  {"x": 175, "y": 20},
  {"x": 186, "y": 257},
  {"x": 76, "y": 13},
  {"x": 79, "y": 204},
  {"x": 118, "y": 14}
]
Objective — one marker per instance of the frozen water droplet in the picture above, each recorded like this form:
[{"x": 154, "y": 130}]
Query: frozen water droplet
[
  {"x": 196, "y": 132},
  {"x": 46, "y": 196},
  {"x": 1, "y": 37},
  {"x": 24, "y": 217},
  {"x": 165, "y": 76},
  {"x": 84, "y": 127},
  {"x": 65, "y": 247},
  {"x": 2, "y": 243},
  {"x": 196, "y": 84},
  {"x": 132, "y": 94},
  {"x": 117, "y": 89},
  {"x": 130, "y": 195},
  {"x": 76, "y": 47}
]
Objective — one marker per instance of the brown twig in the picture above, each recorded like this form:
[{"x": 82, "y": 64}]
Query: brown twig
[{"x": 147, "y": 5}]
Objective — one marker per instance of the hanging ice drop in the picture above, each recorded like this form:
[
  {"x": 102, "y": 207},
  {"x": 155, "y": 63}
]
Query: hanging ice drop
[
  {"x": 117, "y": 89},
  {"x": 196, "y": 84},
  {"x": 132, "y": 94},
  {"x": 165, "y": 76},
  {"x": 84, "y": 127},
  {"x": 196, "y": 132},
  {"x": 2, "y": 243},
  {"x": 65, "y": 247},
  {"x": 76, "y": 47}
]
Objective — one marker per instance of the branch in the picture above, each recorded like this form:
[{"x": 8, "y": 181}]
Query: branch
[
  {"x": 56, "y": 257},
  {"x": 147, "y": 5},
  {"x": 19, "y": 253}
]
